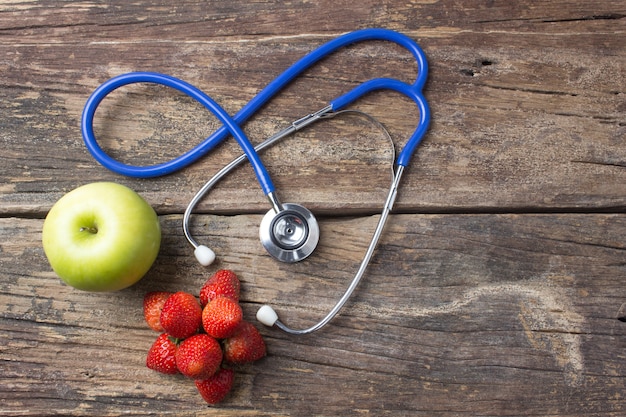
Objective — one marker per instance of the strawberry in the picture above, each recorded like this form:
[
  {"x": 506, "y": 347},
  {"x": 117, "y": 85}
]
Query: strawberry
[
  {"x": 245, "y": 345},
  {"x": 221, "y": 316},
  {"x": 199, "y": 356},
  {"x": 223, "y": 283},
  {"x": 181, "y": 315},
  {"x": 215, "y": 388},
  {"x": 162, "y": 355},
  {"x": 152, "y": 305}
]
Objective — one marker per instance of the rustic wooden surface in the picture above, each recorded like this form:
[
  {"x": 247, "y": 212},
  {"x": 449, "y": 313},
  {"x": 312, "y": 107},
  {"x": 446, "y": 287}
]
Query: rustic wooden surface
[{"x": 498, "y": 288}]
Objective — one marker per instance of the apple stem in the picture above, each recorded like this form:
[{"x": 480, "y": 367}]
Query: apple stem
[{"x": 92, "y": 230}]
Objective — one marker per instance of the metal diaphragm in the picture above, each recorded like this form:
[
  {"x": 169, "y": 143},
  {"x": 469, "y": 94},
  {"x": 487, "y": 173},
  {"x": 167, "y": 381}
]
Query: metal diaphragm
[{"x": 290, "y": 235}]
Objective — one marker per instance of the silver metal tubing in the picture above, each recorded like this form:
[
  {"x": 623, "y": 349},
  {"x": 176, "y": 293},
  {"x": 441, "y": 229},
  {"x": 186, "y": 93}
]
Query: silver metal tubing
[
  {"x": 276, "y": 205},
  {"x": 391, "y": 197}
]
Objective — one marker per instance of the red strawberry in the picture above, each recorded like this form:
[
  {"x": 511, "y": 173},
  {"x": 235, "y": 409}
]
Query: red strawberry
[
  {"x": 181, "y": 315},
  {"x": 152, "y": 305},
  {"x": 223, "y": 283},
  {"x": 245, "y": 345},
  {"x": 162, "y": 355},
  {"x": 221, "y": 317},
  {"x": 215, "y": 388},
  {"x": 199, "y": 356}
]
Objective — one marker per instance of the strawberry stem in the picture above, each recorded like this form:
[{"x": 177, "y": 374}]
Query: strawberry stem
[{"x": 175, "y": 340}]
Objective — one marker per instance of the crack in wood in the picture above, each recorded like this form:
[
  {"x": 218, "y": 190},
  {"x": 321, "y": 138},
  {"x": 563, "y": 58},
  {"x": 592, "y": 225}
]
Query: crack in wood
[
  {"x": 602, "y": 163},
  {"x": 608, "y": 16}
]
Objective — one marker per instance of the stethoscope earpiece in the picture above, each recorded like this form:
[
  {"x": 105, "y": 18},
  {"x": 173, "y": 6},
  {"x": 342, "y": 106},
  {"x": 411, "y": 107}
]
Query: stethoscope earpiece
[
  {"x": 204, "y": 255},
  {"x": 267, "y": 315}
]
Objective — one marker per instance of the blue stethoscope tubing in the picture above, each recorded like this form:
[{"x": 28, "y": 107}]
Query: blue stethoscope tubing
[{"x": 231, "y": 125}]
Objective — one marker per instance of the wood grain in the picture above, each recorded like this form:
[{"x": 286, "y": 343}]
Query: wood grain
[
  {"x": 457, "y": 315},
  {"x": 498, "y": 286},
  {"x": 524, "y": 117}
]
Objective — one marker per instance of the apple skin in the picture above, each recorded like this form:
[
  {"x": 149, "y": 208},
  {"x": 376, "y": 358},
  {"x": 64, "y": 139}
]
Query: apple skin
[{"x": 101, "y": 236}]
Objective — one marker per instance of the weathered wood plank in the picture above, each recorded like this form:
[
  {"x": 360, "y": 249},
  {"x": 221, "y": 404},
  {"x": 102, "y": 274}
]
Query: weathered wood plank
[
  {"x": 528, "y": 104},
  {"x": 458, "y": 315},
  {"x": 197, "y": 20}
]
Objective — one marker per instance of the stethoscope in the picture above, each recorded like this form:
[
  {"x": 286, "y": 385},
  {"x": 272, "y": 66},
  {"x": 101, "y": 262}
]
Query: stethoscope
[{"x": 289, "y": 232}]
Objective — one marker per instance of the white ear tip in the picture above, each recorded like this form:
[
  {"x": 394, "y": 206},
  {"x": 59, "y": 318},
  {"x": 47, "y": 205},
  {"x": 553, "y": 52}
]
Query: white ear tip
[
  {"x": 267, "y": 315},
  {"x": 204, "y": 255}
]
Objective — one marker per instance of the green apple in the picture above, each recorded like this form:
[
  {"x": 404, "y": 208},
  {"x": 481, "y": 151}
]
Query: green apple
[{"x": 101, "y": 237}]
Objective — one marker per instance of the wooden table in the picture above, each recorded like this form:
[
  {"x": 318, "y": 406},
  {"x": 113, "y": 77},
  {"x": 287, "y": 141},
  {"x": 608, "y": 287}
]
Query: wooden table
[{"x": 498, "y": 287}]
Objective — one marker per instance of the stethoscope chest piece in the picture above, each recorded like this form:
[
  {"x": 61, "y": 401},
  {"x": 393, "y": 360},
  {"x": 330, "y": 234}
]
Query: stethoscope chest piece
[{"x": 291, "y": 234}]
